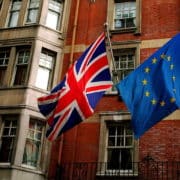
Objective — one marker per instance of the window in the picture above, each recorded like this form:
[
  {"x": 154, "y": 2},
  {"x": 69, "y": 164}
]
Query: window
[
  {"x": 124, "y": 61},
  {"x": 33, "y": 146},
  {"x": 4, "y": 60},
  {"x": 14, "y": 13},
  {"x": 21, "y": 69},
  {"x": 120, "y": 146},
  {"x": 8, "y": 137},
  {"x": 1, "y": 1},
  {"x": 54, "y": 15},
  {"x": 32, "y": 11},
  {"x": 125, "y": 15},
  {"x": 45, "y": 70},
  {"x": 118, "y": 150}
]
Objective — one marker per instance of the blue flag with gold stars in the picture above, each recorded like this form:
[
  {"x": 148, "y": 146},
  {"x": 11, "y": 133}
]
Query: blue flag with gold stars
[{"x": 152, "y": 91}]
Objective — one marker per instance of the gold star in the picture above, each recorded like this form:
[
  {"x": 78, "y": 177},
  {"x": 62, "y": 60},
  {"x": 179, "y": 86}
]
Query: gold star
[
  {"x": 147, "y": 70},
  {"x": 154, "y": 60},
  {"x": 172, "y": 66},
  {"x": 153, "y": 101},
  {"x": 172, "y": 100},
  {"x": 144, "y": 82},
  {"x": 169, "y": 58},
  {"x": 163, "y": 56},
  {"x": 174, "y": 78},
  {"x": 162, "y": 103},
  {"x": 147, "y": 93}
]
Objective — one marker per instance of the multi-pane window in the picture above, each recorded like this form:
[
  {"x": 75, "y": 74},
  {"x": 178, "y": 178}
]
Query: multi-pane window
[
  {"x": 21, "y": 68},
  {"x": 4, "y": 60},
  {"x": 8, "y": 137},
  {"x": 32, "y": 11},
  {"x": 14, "y": 13},
  {"x": 33, "y": 146},
  {"x": 1, "y": 1},
  {"x": 125, "y": 15},
  {"x": 124, "y": 62},
  {"x": 45, "y": 70},
  {"x": 120, "y": 146},
  {"x": 55, "y": 10}
]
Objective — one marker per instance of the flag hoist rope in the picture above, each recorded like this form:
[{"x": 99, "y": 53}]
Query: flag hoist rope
[{"x": 114, "y": 72}]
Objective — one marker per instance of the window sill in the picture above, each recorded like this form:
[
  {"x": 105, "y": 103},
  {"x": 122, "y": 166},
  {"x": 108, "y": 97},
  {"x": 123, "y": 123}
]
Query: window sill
[
  {"x": 4, "y": 165},
  {"x": 116, "y": 173},
  {"x": 128, "y": 30},
  {"x": 28, "y": 169},
  {"x": 115, "y": 93}
]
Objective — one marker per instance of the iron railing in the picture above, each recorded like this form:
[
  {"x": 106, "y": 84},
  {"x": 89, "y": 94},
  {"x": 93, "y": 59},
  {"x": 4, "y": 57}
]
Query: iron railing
[{"x": 144, "y": 170}]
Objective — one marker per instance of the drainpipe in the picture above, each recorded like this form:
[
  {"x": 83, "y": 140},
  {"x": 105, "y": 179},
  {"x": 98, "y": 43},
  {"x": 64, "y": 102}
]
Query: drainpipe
[
  {"x": 70, "y": 63},
  {"x": 74, "y": 32}
]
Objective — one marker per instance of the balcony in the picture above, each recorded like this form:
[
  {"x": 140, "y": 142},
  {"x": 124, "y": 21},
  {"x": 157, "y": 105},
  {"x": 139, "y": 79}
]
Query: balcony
[{"x": 147, "y": 169}]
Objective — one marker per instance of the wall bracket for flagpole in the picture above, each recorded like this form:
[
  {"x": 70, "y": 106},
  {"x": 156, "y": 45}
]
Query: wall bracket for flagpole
[{"x": 114, "y": 71}]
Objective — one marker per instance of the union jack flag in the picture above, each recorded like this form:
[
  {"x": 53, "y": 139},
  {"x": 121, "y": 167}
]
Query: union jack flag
[{"x": 74, "y": 99}]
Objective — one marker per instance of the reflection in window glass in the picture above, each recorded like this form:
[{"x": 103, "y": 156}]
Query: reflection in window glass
[
  {"x": 32, "y": 151},
  {"x": 54, "y": 15},
  {"x": 14, "y": 13},
  {"x": 33, "y": 11},
  {"x": 125, "y": 15},
  {"x": 45, "y": 70}
]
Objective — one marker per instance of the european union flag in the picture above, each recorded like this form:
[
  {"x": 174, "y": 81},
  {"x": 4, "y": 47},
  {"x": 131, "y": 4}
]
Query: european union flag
[{"x": 152, "y": 91}]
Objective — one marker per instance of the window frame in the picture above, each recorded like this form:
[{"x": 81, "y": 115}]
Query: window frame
[
  {"x": 58, "y": 13},
  {"x": 119, "y": 145},
  {"x": 111, "y": 16},
  {"x": 4, "y": 65},
  {"x": 10, "y": 14},
  {"x": 119, "y": 74},
  {"x": 121, "y": 47},
  {"x": 25, "y": 64},
  {"x": 29, "y": 9},
  {"x": 106, "y": 119},
  {"x": 124, "y": 15},
  {"x": 53, "y": 55},
  {"x": 40, "y": 151},
  {"x": 11, "y": 118}
]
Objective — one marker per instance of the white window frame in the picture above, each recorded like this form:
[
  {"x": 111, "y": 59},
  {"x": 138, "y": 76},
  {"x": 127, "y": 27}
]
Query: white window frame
[
  {"x": 122, "y": 60},
  {"x": 31, "y": 137},
  {"x": 46, "y": 63},
  {"x": 14, "y": 11},
  {"x": 122, "y": 48},
  {"x": 55, "y": 8},
  {"x": 124, "y": 12},
  {"x": 111, "y": 16},
  {"x": 120, "y": 142},
  {"x": 34, "y": 10}
]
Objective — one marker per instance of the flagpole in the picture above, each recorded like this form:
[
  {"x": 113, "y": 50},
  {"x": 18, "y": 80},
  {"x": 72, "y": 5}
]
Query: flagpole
[{"x": 111, "y": 52}]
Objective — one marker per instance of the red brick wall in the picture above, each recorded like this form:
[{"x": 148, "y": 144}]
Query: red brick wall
[
  {"x": 160, "y": 19},
  {"x": 162, "y": 141},
  {"x": 81, "y": 144}
]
